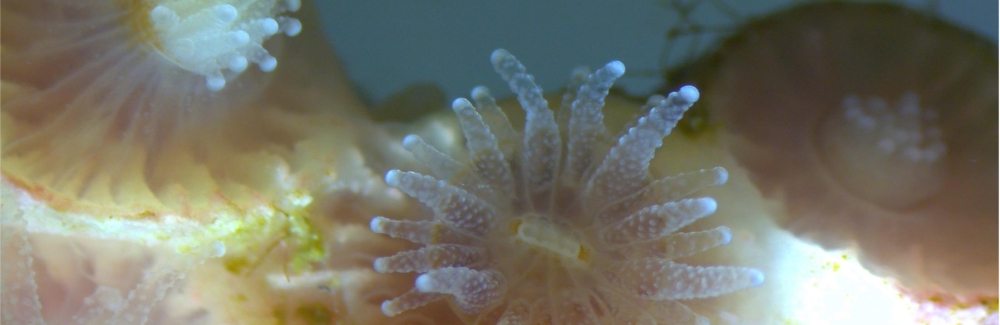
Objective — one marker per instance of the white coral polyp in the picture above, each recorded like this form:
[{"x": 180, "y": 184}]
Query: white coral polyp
[
  {"x": 211, "y": 40},
  {"x": 523, "y": 233},
  {"x": 892, "y": 155}
]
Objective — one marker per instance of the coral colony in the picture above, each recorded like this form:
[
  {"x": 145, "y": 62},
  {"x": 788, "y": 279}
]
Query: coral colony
[{"x": 150, "y": 177}]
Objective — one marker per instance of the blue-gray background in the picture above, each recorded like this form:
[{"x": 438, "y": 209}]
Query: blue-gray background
[{"x": 386, "y": 45}]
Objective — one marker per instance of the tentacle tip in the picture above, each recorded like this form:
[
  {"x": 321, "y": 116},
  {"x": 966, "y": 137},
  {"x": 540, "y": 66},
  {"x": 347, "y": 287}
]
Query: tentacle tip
[
  {"x": 689, "y": 94},
  {"x": 617, "y": 68},
  {"x": 238, "y": 63},
  {"x": 388, "y": 310},
  {"x": 226, "y": 13},
  {"x": 268, "y": 64},
  {"x": 579, "y": 72},
  {"x": 240, "y": 37},
  {"x": 215, "y": 83},
  {"x": 410, "y": 141},
  {"x": 706, "y": 205},
  {"x": 726, "y": 235},
  {"x": 480, "y": 92},
  {"x": 293, "y": 27},
  {"x": 723, "y": 175},
  {"x": 498, "y": 56},
  {"x": 161, "y": 15},
  {"x": 424, "y": 283},
  {"x": 269, "y": 26},
  {"x": 460, "y": 104},
  {"x": 377, "y": 224},
  {"x": 392, "y": 177},
  {"x": 756, "y": 278},
  {"x": 380, "y": 265}
]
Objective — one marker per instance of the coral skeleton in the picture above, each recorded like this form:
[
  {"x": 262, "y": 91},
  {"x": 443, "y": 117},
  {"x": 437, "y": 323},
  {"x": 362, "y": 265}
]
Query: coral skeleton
[
  {"x": 210, "y": 40},
  {"x": 524, "y": 234}
]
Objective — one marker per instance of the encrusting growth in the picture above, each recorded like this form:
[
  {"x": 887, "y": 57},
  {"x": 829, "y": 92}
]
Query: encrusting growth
[{"x": 523, "y": 234}]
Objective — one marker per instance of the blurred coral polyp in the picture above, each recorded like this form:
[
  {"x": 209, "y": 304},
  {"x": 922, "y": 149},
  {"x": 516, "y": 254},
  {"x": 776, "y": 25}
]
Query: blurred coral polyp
[{"x": 874, "y": 126}]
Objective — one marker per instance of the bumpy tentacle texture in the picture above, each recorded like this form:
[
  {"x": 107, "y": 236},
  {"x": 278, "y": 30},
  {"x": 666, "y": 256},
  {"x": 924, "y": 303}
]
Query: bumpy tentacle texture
[{"x": 521, "y": 234}]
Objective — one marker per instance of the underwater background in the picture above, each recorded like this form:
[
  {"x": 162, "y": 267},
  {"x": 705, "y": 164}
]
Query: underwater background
[{"x": 388, "y": 45}]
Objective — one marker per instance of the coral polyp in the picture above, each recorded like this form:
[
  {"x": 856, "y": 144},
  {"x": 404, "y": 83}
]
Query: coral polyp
[
  {"x": 101, "y": 120},
  {"x": 524, "y": 234},
  {"x": 874, "y": 125},
  {"x": 109, "y": 147},
  {"x": 208, "y": 40},
  {"x": 902, "y": 140}
]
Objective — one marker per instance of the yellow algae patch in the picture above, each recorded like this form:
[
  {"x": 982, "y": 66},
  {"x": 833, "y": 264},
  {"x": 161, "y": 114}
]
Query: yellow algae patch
[{"x": 230, "y": 231}]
